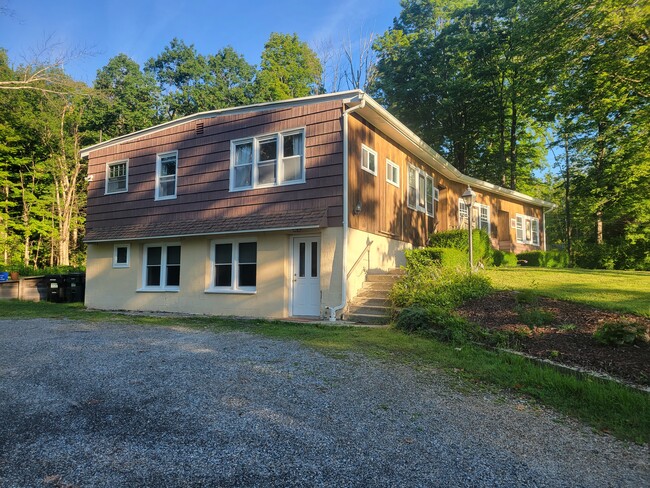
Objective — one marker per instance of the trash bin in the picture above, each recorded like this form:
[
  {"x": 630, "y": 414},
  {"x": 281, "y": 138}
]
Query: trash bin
[
  {"x": 56, "y": 288},
  {"x": 75, "y": 287}
]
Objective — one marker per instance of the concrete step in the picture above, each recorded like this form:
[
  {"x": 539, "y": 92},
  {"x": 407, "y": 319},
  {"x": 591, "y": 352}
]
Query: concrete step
[
  {"x": 391, "y": 272},
  {"x": 380, "y": 311},
  {"x": 377, "y": 286},
  {"x": 373, "y": 299},
  {"x": 382, "y": 278},
  {"x": 367, "y": 319}
]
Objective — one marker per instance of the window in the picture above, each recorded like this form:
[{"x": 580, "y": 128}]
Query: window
[
  {"x": 392, "y": 173},
  {"x": 121, "y": 254},
  {"x": 480, "y": 216},
  {"x": 421, "y": 192},
  {"x": 368, "y": 160},
  {"x": 270, "y": 160},
  {"x": 166, "y": 165},
  {"x": 234, "y": 266},
  {"x": 161, "y": 267},
  {"x": 117, "y": 177},
  {"x": 527, "y": 230}
]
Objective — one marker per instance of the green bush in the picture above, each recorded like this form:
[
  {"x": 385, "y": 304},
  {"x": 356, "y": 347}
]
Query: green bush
[
  {"x": 502, "y": 259},
  {"x": 29, "y": 271},
  {"x": 458, "y": 239},
  {"x": 443, "y": 287},
  {"x": 621, "y": 333},
  {"x": 417, "y": 259},
  {"x": 531, "y": 258}
]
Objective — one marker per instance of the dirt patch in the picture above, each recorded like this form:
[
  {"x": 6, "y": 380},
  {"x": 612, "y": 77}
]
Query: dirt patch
[{"x": 567, "y": 335}]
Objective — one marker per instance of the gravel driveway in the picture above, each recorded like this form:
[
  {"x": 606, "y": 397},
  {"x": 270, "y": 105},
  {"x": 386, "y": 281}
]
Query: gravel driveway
[{"x": 108, "y": 405}]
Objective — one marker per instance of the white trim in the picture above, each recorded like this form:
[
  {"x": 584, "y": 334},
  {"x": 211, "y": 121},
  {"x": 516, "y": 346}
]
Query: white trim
[
  {"x": 365, "y": 150},
  {"x": 279, "y": 165},
  {"x": 127, "y": 264},
  {"x": 419, "y": 192},
  {"x": 159, "y": 157},
  {"x": 292, "y": 270},
  {"x": 234, "y": 287},
  {"x": 390, "y": 164},
  {"x": 126, "y": 174},
  {"x": 163, "y": 268},
  {"x": 476, "y": 216},
  {"x": 523, "y": 219}
]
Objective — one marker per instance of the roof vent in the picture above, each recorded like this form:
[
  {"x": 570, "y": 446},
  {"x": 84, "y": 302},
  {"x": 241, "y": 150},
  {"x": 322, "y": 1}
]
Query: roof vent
[{"x": 199, "y": 128}]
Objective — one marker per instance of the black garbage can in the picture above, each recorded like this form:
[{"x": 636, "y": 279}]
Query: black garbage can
[
  {"x": 75, "y": 287},
  {"x": 56, "y": 288}
]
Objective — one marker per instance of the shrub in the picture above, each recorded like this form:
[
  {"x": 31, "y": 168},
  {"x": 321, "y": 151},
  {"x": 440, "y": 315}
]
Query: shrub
[
  {"x": 621, "y": 333},
  {"x": 417, "y": 259},
  {"x": 531, "y": 258},
  {"x": 29, "y": 271},
  {"x": 544, "y": 259},
  {"x": 457, "y": 239},
  {"x": 501, "y": 258},
  {"x": 441, "y": 324}
]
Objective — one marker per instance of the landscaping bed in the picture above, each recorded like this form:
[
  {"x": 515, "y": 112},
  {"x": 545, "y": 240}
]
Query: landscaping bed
[{"x": 566, "y": 336}]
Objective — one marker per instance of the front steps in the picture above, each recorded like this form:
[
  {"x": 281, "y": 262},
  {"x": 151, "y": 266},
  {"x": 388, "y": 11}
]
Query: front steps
[{"x": 372, "y": 305}]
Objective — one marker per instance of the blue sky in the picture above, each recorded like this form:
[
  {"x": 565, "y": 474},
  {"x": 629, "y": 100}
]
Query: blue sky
[{"x": 141, "y": 29}]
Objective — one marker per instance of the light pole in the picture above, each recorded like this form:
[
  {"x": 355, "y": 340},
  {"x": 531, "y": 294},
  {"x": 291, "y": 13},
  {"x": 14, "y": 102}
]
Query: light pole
[{"x": 469, "y": 197}]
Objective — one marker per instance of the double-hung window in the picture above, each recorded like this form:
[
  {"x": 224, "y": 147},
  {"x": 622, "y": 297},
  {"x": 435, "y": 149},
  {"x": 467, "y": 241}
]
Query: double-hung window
[
  {"x": 166, "y": 169},
  {"x": 269, "y": 160},
  {"x": 480, "y": 216},
  {"x": 392, "y": 173},
  {"x": 117, "y": 177},
  {"x": 234, "y": 266},
  {"x": 421, "y": 192},
  {"x": 527, "y": 230},
  {"x": 161, "y": 267},
  {"x": 368, "y": 160}
]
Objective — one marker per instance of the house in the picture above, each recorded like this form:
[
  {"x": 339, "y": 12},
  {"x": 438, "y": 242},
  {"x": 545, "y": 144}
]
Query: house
[{"x": 276, "y": 209}]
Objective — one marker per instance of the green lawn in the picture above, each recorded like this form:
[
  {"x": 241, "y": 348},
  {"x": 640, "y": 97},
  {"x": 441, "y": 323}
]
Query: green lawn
[
  {"x": 605, "y": 405},
  {"x": 627, "y": 291}
]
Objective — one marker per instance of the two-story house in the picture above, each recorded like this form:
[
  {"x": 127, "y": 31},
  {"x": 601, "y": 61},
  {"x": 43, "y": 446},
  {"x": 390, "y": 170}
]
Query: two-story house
[{"x": 275, "y": 209}]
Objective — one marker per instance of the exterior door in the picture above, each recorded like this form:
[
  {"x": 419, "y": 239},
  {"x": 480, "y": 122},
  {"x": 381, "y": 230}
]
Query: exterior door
[{"x": 306, "y": 276}]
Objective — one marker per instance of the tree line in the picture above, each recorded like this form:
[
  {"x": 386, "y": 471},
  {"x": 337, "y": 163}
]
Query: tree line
[{"x": 494, "y": 85}]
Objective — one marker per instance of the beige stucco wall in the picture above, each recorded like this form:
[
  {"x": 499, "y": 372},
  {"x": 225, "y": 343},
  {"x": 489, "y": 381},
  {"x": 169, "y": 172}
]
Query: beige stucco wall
[
  {"x": 383, "y": 253},
  {"x": 117, "y": 288}
]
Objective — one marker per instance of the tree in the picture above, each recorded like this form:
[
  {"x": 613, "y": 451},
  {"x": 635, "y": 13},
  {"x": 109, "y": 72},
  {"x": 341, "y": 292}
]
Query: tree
[
  {"x": 125, "y": 100},
  {"x": 289, "y": 69}
]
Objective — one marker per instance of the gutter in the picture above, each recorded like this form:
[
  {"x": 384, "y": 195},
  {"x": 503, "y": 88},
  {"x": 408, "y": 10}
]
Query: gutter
[{"x": 344, "y": 281}]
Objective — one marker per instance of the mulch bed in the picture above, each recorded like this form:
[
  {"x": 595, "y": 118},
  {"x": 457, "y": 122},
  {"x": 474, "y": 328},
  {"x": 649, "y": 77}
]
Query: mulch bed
[{"x": 567, "y": 339}]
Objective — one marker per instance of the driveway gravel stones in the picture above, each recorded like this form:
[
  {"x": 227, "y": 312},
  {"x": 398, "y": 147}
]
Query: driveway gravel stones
[{"x": 110, "y": 405}]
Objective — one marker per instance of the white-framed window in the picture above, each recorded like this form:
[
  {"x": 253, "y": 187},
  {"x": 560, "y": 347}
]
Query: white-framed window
[
  {"x": 268, "y": 160},
  {"x": 166, "y": 169},
  {"x": 480, "y": 216},
  {"x": 117, "y": 177},
  {"x": 421, "y": 192},
  {"x": 161, "y": 267},
  {"x": 121, "y": 255},
  {"x": 527, "y": 230},
  {"x": 368, "y": 160},
  {"x": 392, "y": 173},
  {"x": 234, "y": 266}
]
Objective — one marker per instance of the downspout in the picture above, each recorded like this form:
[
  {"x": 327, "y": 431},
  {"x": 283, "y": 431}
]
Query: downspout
[
  {"x": 344, "y": 281},
  {"x": 544, "y": 210}
]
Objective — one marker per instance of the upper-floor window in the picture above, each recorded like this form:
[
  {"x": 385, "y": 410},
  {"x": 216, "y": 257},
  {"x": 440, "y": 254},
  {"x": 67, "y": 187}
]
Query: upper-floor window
[
  {"x": 166, "y": 166},
  {"x": 527, "y": 230},
  {"x": 421, "y": 192},
  {"x": 480, "y": 216},
  {"x": 117, "y": 177},
  {"x": 269, "y": 160},
  {"x": 368, "y": 159},
  {"x": 392, "y": 173},
  {"x": 161, "y": 267}
]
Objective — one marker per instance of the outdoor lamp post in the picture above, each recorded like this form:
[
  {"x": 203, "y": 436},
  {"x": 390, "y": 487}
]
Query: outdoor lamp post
[{"x": 469, "y": 197}]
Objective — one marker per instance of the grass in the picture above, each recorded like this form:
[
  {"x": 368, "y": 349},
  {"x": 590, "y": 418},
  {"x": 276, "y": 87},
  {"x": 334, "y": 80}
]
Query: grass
[
  {"x": 605, "y": 405},
  {"x": 623, "y": 291}
]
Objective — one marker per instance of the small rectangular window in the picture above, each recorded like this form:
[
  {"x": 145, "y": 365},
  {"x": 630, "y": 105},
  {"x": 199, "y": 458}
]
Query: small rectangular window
[
  {"x": 121, "y": 255},
  {"x": 392, "y": 173},
  {"x": 368, "y": 160},
  {"x": 412, "y": 188},
  {"x": 117, "y": 177},
  {"x": 527, "y": 230},
  {"x": 166, "y": 166}
]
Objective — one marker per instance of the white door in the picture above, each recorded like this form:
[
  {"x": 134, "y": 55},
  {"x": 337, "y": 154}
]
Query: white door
[{"x": 306, "y": 276}]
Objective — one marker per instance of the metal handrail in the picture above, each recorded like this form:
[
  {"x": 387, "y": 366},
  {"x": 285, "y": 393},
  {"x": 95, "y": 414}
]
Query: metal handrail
[{"x": 367, "y": 248}]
